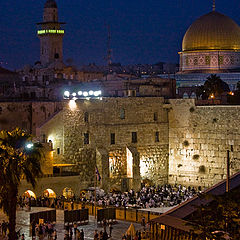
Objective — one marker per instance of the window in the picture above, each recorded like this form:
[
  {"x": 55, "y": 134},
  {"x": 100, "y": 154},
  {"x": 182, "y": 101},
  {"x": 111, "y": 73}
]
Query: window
[
  {"x": 155, "y": 116},
  {"x": 58, "y": 150},
  {"x": 122, "y": 113},
  {"x": 86, "y": 117},
  {"x": 207, "y": 60},
  {"x": 156, "y": 136},
  {"x": 112, "y": 138},
  {"x": 220, "y": 59},
  {"x": 134, "y": 137},
  {"x": 86, "y": 138}
]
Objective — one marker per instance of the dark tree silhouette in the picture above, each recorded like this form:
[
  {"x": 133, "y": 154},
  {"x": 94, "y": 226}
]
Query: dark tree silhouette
[{"x": 17, "y": 161}]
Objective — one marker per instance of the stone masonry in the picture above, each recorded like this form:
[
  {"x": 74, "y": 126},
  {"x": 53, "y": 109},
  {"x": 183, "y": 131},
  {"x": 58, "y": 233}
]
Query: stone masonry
[
  {"x": 199, "y": 137},
  {"x": 100, "y": 132}
]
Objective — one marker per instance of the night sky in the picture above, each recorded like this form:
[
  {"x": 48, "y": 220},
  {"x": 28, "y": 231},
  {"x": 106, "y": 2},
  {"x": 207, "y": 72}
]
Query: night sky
[{"x": 142, "y": 31}]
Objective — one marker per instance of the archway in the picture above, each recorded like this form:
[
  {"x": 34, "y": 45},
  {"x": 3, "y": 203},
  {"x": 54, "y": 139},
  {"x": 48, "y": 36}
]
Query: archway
[
  {"x": 49, "y": 193},
  {"x": 68, "y": 192},
  {"x": 29, "y": 194}
]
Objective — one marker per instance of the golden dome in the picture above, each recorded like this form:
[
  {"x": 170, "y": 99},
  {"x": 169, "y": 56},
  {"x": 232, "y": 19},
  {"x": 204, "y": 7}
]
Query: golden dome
[{"x": 213, "y": 31}]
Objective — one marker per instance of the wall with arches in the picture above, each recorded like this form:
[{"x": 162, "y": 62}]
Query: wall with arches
[{"x": 56, "y": 184}]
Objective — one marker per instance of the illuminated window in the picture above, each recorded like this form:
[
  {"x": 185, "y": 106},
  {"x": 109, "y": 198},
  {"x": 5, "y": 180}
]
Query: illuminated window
[
  {"x": 156, "y": 136},
  {"x": 86, "y": 138},
  {"x": 112, "y": 138},
  {"x": 187, "y": 61},
  {"x": 134, "y": 137}
]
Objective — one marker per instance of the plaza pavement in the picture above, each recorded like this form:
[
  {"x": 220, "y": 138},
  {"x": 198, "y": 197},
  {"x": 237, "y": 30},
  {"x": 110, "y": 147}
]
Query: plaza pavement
[{"x": 23, "y": 220}]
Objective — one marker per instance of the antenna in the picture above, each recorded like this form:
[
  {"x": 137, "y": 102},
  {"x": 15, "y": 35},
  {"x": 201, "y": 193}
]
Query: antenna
[
  {"x": 214, "y": 5},
  {"x": 109, "y": 50}
]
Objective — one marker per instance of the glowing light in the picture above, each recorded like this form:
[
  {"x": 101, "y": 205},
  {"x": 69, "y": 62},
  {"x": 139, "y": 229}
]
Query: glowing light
[
  {"x": 74, "y": 94},
  {"x": 85, "y": 94},
  {"x": 29, "y": 194},
  {"x": 91, "y": 92},
  {"x": 49, "y": 193},
  {"x": 66, "y": 94},
  {"x": 72, "y": 104},
  {"x": 231, "y": 93},
  {"x": 29, "y": 145},
  {"x": 97, "y": 93},
  {"x": 51, "y": 31},
  {"x": 212, "y": 96},
  {"x": 80, "y": 93}
]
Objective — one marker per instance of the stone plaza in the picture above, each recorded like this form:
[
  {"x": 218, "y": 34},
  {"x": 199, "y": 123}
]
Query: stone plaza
[{"x": 23, "y": 223}]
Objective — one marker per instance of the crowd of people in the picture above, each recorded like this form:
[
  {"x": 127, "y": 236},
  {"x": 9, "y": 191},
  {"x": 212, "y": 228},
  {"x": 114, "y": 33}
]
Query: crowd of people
[{"x": 147, "y": 197}]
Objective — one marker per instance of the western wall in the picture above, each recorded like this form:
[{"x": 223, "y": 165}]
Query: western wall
[
  {"x": 199, "y": 137},
  {"x": 191, "y": 146}
]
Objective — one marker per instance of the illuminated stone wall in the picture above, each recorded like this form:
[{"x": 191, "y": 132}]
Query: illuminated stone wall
[
  {"x": 199, "y": 137},
  {"x": 120, "y": 116}
]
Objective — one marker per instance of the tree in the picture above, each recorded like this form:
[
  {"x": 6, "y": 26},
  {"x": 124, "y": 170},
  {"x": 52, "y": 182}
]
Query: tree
[
  {"x": 215, "y": 85},
  {"x": 19, "y": 158},
  {"x": 218, "y": 217}
]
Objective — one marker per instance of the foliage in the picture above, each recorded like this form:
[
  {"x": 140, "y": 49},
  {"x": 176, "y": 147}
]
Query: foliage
[
  {"x": 16, "y": 162},
  {"x": 213, "y": 85},
  {"x": 217, "y": 214}
]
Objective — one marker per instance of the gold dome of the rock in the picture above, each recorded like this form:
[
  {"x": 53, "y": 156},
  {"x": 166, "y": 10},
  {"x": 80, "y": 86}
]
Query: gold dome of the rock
[{"x": 213, "y": 31}]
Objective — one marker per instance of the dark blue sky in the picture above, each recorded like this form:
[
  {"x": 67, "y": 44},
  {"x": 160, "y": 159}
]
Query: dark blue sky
[{"x": 142, "y": 31}]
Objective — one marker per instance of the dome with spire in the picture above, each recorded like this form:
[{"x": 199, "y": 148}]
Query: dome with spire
[
  {"x": 50, "y": 4},
  {"x": 212, "y": 31}
]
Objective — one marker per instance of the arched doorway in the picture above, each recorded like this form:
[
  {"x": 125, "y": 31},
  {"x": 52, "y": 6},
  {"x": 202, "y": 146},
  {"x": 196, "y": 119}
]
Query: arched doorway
[
  {"x": 29, "y": 194},
  {"x": 49, "y": 193},
  {"x": 68, "y": 192}
]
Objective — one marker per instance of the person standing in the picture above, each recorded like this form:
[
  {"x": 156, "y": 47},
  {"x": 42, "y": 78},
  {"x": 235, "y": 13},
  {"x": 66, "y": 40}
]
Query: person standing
[
  {"x": 110, "y": 229},
  {"x": 55, "y": 235},
  {"x": 81, "y": 235},
  {"x": 96, "y": 235}
]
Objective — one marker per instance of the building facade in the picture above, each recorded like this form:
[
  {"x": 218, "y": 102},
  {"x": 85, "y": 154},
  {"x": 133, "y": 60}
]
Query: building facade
[{"x": 134, "y": 140}]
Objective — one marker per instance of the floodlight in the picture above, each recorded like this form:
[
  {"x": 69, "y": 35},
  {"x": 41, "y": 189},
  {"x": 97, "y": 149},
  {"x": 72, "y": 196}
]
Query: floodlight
[{"x": 66, "y": 93}]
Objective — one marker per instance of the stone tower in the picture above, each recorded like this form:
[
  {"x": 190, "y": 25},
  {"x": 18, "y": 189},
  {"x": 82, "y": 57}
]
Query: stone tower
[{"x": 50, "y": 35}]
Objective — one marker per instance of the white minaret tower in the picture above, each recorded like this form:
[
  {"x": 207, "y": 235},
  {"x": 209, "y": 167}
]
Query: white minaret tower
[{"x": 50, "y": 35}]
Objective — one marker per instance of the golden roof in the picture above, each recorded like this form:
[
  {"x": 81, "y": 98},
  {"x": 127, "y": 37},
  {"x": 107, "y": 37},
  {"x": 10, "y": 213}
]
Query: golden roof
[{"x": 213, "y": 31}]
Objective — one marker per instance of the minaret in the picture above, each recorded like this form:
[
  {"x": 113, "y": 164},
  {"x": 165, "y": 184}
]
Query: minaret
[
  {"x": 214, "y": 5},
  {"x": 50, "y": 35}
]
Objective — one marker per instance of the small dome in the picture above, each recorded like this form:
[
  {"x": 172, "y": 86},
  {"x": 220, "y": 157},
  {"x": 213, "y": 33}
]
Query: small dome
[
  {"x": 213, "y": 31},
  {"x": 50, "y": 4}
]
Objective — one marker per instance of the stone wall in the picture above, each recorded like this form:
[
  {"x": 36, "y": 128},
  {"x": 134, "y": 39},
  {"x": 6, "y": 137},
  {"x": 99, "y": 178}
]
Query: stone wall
[
  {"x": 26, "y": 115},
  {"x": 199, "y": 137},
  {"x": 99, "y": 118}
]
